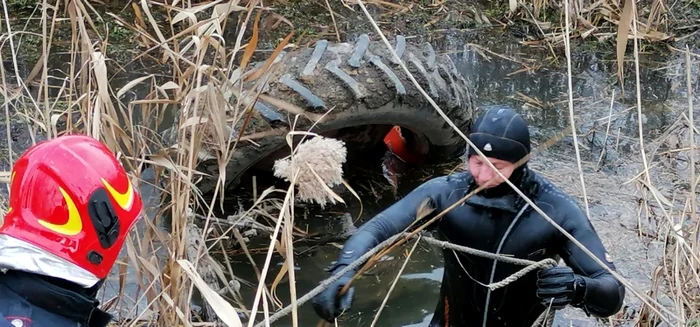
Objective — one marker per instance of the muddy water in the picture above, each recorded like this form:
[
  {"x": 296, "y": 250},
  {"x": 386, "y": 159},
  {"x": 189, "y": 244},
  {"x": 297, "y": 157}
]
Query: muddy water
[{"x": 542, "y": 96}]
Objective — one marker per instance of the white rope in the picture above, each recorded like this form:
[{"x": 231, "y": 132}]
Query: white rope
[{"x": 529, "y": 266}]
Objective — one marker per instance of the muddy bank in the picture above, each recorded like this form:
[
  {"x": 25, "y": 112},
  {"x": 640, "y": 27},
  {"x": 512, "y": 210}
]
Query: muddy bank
[
  {"x": 613, "y": 195},
  {"x": 541, "y": 95},
  {"x": 414, "y": 298},
  {"x": 609, "y": 150}
]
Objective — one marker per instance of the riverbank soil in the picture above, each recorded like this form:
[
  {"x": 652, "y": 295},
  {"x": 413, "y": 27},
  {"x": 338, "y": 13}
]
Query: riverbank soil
[{"x": 513, "y": 58}]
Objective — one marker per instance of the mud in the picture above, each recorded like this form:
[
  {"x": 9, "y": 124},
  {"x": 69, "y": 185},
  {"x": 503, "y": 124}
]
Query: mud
[
  {"x": 613, "y": 194},
  {"x": 542, "y": 96}
]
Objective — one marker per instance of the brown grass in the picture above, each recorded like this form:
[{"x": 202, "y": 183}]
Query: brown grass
[
  {"x": 188, "y": 40},
  {"x": 202, "y": 86},
  {"x": 599, "y": 19}
]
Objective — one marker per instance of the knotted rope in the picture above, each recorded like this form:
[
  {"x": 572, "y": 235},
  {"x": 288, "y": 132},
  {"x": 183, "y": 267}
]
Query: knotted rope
[{"x": 529, "y": 266}]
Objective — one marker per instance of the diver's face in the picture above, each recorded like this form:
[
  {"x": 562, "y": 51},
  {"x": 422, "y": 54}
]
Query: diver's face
[{"x": 484, "y": 174}]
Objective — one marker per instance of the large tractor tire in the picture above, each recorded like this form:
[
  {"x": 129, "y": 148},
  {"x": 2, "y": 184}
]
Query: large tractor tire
[{"x": 364, "y": 87}]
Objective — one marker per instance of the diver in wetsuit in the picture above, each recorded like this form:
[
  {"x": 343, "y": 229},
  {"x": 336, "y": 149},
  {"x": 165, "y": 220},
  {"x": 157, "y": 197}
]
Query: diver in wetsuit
[{"x": 496, "y": 220}]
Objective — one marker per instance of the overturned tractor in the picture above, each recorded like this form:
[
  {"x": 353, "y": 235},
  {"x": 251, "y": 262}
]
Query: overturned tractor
[{"x": 363, "y": 97}]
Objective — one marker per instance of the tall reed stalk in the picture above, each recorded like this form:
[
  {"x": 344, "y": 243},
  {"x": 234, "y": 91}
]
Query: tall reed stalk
[{"x": 201, "y": 87}]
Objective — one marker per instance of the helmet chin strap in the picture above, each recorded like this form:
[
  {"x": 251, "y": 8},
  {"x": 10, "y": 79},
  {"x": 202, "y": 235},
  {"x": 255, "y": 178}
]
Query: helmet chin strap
[
  {"x": 16, "y": 254},
  {"x": 90, "y": 292}
]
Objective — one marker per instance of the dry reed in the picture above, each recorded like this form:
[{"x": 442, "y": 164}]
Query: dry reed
[
  {"x": 319, "y": 165},
  {"x": 201, "y": 85},
  {"x": 188, "y": 39}
]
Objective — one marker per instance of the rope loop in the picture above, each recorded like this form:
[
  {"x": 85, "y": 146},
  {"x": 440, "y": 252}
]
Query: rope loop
[{"x": 546, "y": 317}]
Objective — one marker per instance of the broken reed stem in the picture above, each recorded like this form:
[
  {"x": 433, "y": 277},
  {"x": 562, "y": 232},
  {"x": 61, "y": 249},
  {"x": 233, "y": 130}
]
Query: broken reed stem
[
  {"x": 424, "y": 211},
  {"x": 646, "y": 173},
  {"x": 396, "y": 279},
  {"x": 693, "y": 209},
  {"x": 183, "y": 221},
  {"x": 289, "y": 226},
  {"x": 639, "y": 93},
  {"x": 335, "y": 25},
  {"x": 13, "y": 52},
  {"x": 607, "y": 131},
  {"x": 645, "y": 298},
  {"x": 388, "y": 242},
  {"x": 691, "y": 132},
  {"x": 327, "y": 282},
  {"x": 571, "y": 107},
  {"x": 268, "y": 258}
]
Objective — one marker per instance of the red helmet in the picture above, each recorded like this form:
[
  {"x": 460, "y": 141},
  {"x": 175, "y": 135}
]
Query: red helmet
[
  {"x": 70, "y": 197},
  {"x": 396, "y": 143}
]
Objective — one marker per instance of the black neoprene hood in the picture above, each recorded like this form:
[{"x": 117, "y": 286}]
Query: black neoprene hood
[{"x": 501, "y": 133}]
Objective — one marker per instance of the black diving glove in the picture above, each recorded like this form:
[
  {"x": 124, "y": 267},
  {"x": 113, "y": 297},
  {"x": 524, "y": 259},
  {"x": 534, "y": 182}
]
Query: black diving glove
[
  {"x": 559, "y": 287},
  {"x": 327, "y": 304}
]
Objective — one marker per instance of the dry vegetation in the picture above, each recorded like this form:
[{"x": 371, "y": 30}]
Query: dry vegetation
[{"x": 202, "y": 86}]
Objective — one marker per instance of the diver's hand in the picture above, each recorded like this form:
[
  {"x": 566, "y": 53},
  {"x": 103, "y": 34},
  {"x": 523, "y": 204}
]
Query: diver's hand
[
  {"x": 327, "y": 304},
  {"x": 559, "y": 287}
]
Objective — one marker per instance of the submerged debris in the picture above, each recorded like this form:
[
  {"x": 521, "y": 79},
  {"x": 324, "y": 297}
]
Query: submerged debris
[
  {"x": 207, "y": 267},
  {"x": 347, "y": 225},
  {"x": 319, "y": 161}
]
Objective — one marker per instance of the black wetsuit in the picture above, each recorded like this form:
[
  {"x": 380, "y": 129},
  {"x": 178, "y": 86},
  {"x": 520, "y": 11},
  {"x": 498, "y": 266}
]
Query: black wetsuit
[
  {"x": 482, "y": 223},
  {"x": 496, "y": 220},
  {"x": 30, "y": 300}
]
